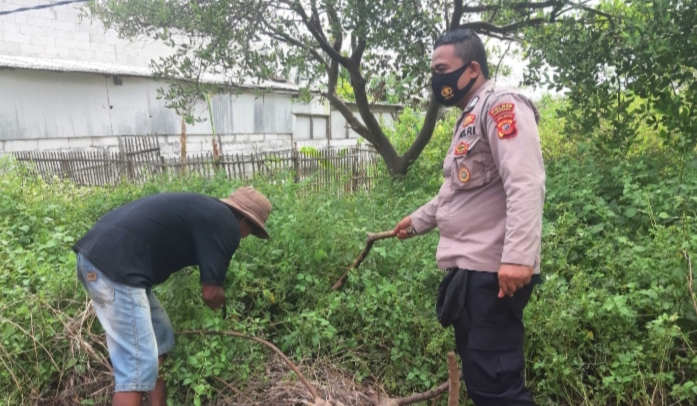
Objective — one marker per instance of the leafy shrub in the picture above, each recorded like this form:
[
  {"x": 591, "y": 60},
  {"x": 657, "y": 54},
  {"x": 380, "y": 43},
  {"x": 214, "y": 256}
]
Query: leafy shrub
[{"x": 612, "y": 324}]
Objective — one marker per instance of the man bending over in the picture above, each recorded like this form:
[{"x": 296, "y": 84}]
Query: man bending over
[{"x": 138, "y": 246}]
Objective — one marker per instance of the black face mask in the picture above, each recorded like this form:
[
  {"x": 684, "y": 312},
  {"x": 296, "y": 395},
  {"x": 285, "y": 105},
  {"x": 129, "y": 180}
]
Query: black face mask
[{"x": 445, "y": 88}]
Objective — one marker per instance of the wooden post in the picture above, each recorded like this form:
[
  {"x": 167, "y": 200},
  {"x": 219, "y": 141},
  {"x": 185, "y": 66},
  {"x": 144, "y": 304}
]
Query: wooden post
[
  {"x": 453, "y": 380},
  {"x": 182, "y": 147},
  {"x": 296, "y": 162}
]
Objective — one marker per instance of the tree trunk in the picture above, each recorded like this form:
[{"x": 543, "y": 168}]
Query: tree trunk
[{"x": 396, "y": 165}]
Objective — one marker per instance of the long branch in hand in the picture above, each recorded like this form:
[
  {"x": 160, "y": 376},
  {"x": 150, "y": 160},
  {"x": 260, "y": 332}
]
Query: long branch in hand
[{"x": 368, "y": 245}]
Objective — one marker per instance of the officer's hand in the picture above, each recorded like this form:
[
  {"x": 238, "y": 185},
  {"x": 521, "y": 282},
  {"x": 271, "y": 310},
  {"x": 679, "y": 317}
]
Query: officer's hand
[
  {"x": 403, "y": 229},
  {"x": 213, "y": 296},
  {"x": 512, "y": 278}
]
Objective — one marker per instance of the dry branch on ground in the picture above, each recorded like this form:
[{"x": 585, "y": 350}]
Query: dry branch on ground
[{"x": 328, "y": 387}]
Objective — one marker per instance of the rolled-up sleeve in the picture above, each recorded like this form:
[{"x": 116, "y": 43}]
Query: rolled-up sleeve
[
  {"x": 515, "y": 144},
  {"x": 424, "y": 219}
]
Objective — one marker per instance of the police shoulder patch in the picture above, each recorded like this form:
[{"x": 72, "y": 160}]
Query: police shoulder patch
[
  {"x": 504, "y": 116},
  {"x": 461, "y": 148},
  {"x": 501, "y": 108},
  {"x": 505, "y": 124}
]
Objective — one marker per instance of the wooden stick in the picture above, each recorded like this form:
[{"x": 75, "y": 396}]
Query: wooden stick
[
  {"x": 288, "y": 362},
  {"x": 235, "y": 390},
  {"x": 453, "y": 380},
  {"x": 375, "y": 400},
  {"x": 369, "y": 244},
  {"x": 420, "y": 397}
]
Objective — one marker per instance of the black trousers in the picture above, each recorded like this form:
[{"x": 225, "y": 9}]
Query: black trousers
[{"x": 491, "y": 343}]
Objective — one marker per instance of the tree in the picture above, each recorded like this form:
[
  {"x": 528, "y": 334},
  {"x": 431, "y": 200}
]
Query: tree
[
  {"x": 625, "y": 65},
  {"x": 316, "y": 40}
]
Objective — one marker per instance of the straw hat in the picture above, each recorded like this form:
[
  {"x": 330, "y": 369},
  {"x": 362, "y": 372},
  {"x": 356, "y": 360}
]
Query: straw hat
[{"x": 254, "y": 206}]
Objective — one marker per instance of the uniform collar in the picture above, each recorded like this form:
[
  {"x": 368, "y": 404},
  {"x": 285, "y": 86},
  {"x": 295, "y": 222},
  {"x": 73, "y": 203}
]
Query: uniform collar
[{"x": 486, "y": 87}]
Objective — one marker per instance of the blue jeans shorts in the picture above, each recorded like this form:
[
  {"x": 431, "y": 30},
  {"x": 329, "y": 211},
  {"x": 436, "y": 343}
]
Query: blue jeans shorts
[{"x": 137, "y": 328}]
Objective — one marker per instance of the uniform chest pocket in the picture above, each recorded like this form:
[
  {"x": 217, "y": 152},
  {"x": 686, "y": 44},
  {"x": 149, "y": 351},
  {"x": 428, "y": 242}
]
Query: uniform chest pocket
[{"x": 466, "y": 169}]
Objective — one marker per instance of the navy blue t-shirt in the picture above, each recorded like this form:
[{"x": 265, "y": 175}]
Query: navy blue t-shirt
[{"x": 142, "y": 243}]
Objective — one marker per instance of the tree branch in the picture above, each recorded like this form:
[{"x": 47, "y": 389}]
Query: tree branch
[
  {"x": 337, "y": 102},
  {"x": 493, "y": 15},
  {"x": 357, "y": 126},
  {"x": 457, "y": 14},
  {"x": 506, "y": 29},
  {"x": 235, "y": 390},
  {"x": 326, "y": 47},
  {"x": 375, "y": 400},
  {"x": 316, "y": 20},
  {"x": 281, "y": 36},
  {"x": 378, "y": 137},
  {"x": 498, "y": 65},
  {"x": 517, "y": 6},
  {"x": 358, "y": 50},
  {"x": 490, "y": 29},
  {"x": 504, "y": 37},
  {"x": 334, "y": 19},
  {"x": 425, "y": 133}
]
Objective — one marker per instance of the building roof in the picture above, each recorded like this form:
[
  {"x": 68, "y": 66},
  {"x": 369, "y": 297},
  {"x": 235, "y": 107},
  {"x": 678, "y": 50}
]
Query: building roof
[
  {"x": 63, "y": 65},
  {"x": 110, "y": 69}
]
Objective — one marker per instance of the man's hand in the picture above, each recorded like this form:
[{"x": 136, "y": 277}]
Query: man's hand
[
  {"x": 214, "y": 296},
  {"x": 403, "y": 229},
  {"x": 512, "y": 278}
]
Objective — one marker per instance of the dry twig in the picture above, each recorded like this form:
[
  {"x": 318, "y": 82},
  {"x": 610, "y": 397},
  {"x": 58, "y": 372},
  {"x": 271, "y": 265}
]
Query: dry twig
[
  {"x": 368, "y": 245},
  {"x": 237, "y": 391},
  {"x": 317, "y": 399},
  {"x": 377, "y": 400}
]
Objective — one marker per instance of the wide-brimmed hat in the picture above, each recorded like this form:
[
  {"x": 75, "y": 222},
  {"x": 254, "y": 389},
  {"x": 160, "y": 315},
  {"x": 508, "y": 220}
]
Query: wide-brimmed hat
[{"x": 254, "y": 206}]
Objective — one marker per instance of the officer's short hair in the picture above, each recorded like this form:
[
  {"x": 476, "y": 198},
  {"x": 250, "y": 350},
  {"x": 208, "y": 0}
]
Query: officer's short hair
[{"x": 468, "y": 47}]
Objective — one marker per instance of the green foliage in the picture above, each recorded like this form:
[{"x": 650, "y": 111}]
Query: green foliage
[
  {"x": 612, "y": 324},
  {"x": 630, "y": 70}
]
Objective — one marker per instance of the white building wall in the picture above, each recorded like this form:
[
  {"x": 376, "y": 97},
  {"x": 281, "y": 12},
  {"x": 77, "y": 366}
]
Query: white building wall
[
  {"x": 51, "y": 111},
  {"x": 57, "y": 32},
  {"x": 58, "y": 111}
]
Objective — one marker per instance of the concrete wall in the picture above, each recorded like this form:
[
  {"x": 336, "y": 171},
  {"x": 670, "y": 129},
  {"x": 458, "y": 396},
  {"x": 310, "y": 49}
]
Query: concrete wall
[
  {"x": 50, "y": 110},
  {"x": 59, "y": 111},
  {"x": 35, "y": 104},
  {"x": 57, "y": 32},
  {"x": 54, "y": 111}
]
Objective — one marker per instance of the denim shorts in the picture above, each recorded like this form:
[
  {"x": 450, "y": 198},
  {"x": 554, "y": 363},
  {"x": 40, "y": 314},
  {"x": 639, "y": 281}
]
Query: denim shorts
[{"x": 137, "y": 328}]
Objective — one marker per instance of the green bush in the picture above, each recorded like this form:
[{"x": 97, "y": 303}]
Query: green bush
[{"x": 612, "y": 324}]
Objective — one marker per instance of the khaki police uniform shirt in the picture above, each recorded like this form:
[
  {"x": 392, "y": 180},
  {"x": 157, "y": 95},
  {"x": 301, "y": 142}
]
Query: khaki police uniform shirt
[{"x": 489, "y": 208}]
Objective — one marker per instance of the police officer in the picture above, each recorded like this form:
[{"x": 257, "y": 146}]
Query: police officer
[{"x": 489, "y": 214}]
